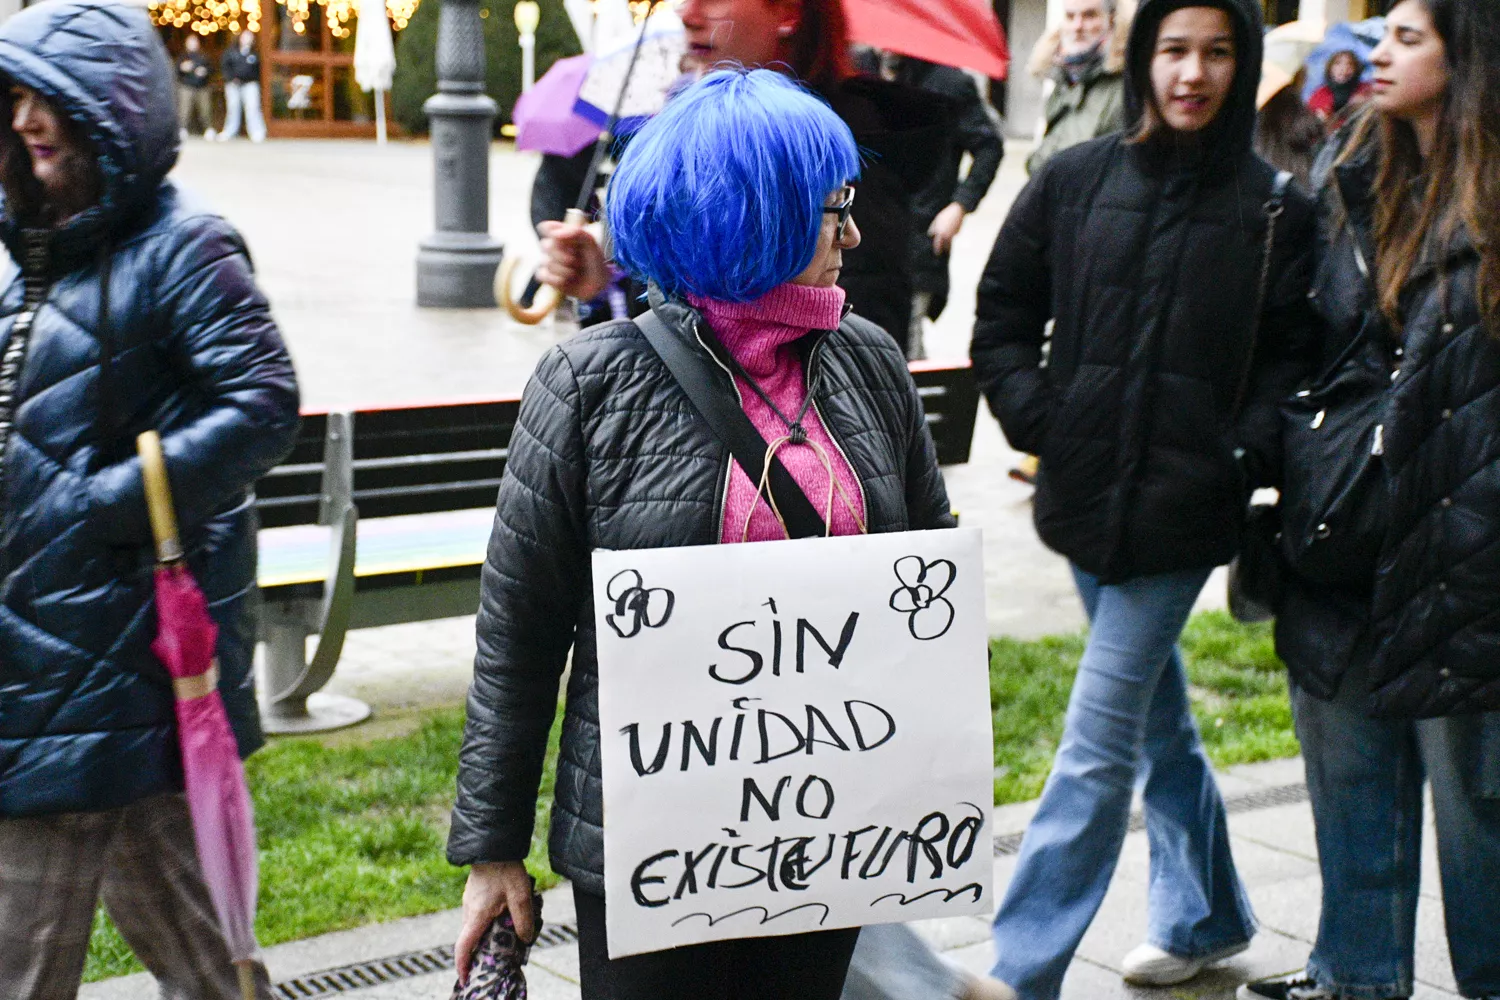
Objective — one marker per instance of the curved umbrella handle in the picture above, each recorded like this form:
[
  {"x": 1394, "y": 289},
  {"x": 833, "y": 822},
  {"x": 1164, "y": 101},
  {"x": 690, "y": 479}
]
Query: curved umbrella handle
[
  {"x": 547, "y": 297},
  {"x": 159, "y": 497},
  {"x": 546, "y": 300}
]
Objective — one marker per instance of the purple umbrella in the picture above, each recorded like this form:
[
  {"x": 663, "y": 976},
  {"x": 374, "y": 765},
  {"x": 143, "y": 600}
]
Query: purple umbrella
[{"x": 544, "y": 117}]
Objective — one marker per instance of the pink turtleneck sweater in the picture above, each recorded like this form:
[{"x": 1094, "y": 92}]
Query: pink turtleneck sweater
[{"x": 760, "y": 335}]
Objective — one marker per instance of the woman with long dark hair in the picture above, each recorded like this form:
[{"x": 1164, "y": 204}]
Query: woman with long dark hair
[
  {"x": 1395, "y": 676},
  {"x": 1174, "y": 266}
]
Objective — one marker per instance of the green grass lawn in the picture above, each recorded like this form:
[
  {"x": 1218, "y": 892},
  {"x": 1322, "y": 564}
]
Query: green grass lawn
[
  {"x": 1237, "y": 685},
  {"x": 352, "y": 832}
]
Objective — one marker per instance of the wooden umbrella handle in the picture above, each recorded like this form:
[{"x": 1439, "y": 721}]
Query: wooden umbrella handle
[
  {"x": 245, "y": 969},
  {"x": 547, "y": 298},
  {"x": 159, "y": 497}
]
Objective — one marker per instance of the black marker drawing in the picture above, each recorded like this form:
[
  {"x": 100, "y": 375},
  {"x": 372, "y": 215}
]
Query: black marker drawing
[
  {"x": 766, "y": 915},
  {"x": 636, "y": 606},
  {"x": 948, "y": 894},
  {"x": 920, "y": 595}
]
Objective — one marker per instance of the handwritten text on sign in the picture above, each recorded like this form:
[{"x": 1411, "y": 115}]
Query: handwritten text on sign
[{"x": 796, "y": 736}]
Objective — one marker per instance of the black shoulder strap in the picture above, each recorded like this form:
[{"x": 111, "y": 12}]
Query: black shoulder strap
[
  {"x": 695, "y": 374},
  {"x": 1275, "y": 206}
]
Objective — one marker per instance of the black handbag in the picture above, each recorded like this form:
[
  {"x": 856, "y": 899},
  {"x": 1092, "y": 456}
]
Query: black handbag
[
  {"x": 1254, "y": 576},
  {"x": 1333, "y": 503},
  {"x": 1255, "y": 584}
]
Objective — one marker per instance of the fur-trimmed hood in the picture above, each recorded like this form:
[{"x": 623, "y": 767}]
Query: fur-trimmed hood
[{"x": 1043, "y": 61}]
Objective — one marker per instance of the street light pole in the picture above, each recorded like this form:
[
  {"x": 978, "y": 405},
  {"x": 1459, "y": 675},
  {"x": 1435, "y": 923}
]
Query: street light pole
[
  {"x": 456, "y": 264},
  {"x": 528, "y": 16}
]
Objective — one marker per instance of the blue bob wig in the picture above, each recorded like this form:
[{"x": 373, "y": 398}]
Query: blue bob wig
[{"x": 721, "y": 195}]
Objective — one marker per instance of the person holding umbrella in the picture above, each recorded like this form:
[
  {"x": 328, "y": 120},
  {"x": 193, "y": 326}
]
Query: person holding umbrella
[
  {"x": 898, "y": 125},
  {"x": 135, "y": 309}
]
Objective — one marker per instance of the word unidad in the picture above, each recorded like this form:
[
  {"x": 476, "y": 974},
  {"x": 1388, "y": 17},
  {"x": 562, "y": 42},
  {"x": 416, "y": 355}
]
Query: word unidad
[{"x": 857, "y": 726}]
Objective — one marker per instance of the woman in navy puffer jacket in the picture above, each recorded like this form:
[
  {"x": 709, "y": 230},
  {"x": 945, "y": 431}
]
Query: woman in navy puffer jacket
[{"x": 135, "y": 308}]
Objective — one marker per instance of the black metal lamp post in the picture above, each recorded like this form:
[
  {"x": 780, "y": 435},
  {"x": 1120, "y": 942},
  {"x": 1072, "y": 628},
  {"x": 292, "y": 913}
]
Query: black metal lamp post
[{"x": 456, "y": 264}]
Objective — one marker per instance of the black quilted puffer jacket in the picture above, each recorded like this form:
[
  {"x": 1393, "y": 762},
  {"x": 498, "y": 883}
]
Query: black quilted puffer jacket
[
  {"x": 151, "y": 320},
  {"x": 1436, "y": 615},
  {"x": 1148, "y": 257},
  {"x": 608, "y": 453},
  {"x": 1431, "y": 627}
]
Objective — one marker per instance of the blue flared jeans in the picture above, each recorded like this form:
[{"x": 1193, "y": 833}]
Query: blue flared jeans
[
  {"x": 1128, "y": 721},
  {"x": 1365, "y": 779}
]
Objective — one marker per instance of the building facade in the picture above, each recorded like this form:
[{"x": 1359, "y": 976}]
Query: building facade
[{"x": 306, "y": 54}]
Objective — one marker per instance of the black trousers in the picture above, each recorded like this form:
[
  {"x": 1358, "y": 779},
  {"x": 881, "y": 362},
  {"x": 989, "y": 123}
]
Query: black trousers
[{"x": 794, "y": 967}]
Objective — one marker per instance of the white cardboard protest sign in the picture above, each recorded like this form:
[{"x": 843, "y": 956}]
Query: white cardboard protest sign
[{"x": 796, "y": 736}]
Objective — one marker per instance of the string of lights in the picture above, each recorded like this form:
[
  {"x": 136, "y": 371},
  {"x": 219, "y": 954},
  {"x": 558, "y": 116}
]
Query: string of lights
[{"x": 209, "y": 16}]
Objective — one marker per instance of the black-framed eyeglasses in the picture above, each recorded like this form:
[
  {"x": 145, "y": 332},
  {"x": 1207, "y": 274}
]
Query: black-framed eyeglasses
[{"x": 842, "y": 210}]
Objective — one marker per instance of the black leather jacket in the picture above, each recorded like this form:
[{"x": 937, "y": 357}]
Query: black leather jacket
[{"x": 608, "y": 453}]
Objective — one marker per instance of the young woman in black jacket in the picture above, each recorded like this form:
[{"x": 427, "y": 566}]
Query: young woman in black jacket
[
  {"x": 1395, "y": 676},
  {"x": 1154, "y": 417}
]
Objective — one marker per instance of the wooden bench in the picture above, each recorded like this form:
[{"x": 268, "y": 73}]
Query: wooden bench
[
  {"x": 382, "y": 517},
  {"x": 378, "y": 517}
]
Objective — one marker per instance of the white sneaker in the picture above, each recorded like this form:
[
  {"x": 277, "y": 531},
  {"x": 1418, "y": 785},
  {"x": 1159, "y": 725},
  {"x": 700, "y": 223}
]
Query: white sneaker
[
  {"x": 985, "y": 988},
  {"x": 1148, "y": 965}
]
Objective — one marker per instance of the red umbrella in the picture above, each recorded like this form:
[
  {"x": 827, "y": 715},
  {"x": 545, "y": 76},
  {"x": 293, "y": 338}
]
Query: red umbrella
[
  {"x": 961, "y": 33},
  {"x": 218, "y": 798}
]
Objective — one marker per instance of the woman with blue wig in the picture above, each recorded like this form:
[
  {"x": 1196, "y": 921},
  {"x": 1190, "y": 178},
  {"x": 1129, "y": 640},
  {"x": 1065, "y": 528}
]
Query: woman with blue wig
[{"x": 733, "y": 205}]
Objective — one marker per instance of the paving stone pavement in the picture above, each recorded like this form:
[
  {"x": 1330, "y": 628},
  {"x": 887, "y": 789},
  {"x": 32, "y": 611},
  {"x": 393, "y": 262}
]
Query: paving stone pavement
[{"x": 333, "y": 227}]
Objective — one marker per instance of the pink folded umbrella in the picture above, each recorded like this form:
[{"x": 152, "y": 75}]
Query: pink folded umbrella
[
  {"x": 218, "y": 797},
  {"x": 544, "y": 117}
]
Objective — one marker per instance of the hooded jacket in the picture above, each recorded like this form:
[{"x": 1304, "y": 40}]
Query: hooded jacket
[
  {"x": 151, "y": 319},
  {"x": 1154, "y": 414},
  {"x": 1090, "y": 107},
  {"x": 608, "y": 453}
]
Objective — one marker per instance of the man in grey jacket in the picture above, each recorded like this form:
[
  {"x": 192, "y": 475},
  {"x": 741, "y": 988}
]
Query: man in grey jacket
[{"x": 1084, "y": 57}]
